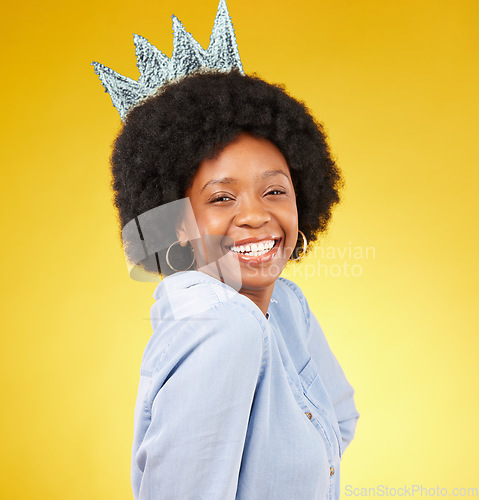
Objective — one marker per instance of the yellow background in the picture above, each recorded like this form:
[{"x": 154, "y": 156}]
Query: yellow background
[{"x": 395, "y": 82}]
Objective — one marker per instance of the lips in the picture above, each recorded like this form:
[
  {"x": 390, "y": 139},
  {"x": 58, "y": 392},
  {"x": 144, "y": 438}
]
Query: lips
[
  {"x": 252, "y": 245},
  {"x": 257, "y": 240},
  {"x": 250, "y": 241},
  {"x": 255, "y": 249}
]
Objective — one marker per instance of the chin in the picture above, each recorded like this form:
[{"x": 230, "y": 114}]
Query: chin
[
  {"x": 260, "y": 277},
  {"x": 247, "y": 273}
]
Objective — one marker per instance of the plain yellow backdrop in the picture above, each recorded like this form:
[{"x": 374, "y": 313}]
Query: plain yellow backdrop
[{"x": 394, "y": 283}]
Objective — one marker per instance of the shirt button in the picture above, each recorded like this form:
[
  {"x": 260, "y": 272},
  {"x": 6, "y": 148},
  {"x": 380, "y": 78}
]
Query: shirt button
[
  {"x": 308, "y": 415},
  {"x": 331, "y": 471}
]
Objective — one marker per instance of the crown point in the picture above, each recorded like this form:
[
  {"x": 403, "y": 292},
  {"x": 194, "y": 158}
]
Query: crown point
[
  {"x": 177, "y": 25},
  {"x": 222, "y": 9}
]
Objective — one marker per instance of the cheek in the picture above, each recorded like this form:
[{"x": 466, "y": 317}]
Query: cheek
[
  {"x": 212, "y": 222},
  {"x": 291, "y": 226},
  {"x": 290, "y": 214}
]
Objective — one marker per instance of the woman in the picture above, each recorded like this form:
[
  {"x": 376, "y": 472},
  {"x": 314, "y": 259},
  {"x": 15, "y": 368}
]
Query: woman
[{"x": 239, "y": 395}]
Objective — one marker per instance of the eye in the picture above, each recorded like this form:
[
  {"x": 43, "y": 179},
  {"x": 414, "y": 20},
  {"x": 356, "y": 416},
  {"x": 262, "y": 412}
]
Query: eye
[
  {"x": 220, "y": 199},
  {"x": 276, "y": 192}
]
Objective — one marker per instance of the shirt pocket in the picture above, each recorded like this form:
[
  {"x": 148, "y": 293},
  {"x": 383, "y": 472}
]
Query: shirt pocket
[{"x": 315, "y": 392}]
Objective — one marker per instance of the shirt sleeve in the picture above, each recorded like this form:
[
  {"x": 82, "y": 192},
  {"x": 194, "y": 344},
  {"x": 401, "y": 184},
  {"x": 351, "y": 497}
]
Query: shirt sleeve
[
  {"x": 195, "y": 408},
  {"x": 340, "y": 391}
]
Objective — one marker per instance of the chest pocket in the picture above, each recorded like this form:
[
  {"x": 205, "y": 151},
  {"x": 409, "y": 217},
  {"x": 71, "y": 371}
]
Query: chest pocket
[{"x": 316, "y": 394}]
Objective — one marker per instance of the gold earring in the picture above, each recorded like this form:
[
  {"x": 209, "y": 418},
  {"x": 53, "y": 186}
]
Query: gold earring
[
  {"x": 168, "y": 260},
  {"x": 305, "y": 245}
]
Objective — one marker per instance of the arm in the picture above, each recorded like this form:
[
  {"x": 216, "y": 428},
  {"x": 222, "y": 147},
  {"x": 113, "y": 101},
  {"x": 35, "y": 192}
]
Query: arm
[
  {"x": 200, "y": 403},
  {"x": 339, "y": 389}
]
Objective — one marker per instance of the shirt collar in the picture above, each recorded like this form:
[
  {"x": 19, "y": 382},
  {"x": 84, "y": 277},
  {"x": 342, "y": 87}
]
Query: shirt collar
[{"x": 185, "y": 279}]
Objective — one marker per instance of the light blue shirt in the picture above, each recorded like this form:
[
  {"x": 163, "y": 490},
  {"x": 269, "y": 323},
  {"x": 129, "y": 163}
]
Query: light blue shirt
[{"x": 235, "y": 405}]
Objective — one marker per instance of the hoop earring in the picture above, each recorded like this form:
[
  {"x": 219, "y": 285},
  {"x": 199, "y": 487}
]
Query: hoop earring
[
  {"x": 168, "y": 260},
  {"x": 305, "y": 245}
]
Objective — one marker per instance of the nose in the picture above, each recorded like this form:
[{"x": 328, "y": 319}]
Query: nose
[{"x": 251, "y": 212}]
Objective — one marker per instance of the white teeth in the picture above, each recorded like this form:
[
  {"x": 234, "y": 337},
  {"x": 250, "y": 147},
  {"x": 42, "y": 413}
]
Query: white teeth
[{"x": 254, "y": 249}]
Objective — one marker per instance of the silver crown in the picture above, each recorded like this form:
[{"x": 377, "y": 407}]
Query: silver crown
[{"x": 156, "y": 68}]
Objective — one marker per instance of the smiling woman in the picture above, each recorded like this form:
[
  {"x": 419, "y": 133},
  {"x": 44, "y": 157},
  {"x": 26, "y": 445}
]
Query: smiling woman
[{"x": 240, "y": 396}]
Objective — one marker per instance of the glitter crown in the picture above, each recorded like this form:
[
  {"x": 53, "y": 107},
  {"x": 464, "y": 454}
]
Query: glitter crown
[{"x": 156, "y": 68}]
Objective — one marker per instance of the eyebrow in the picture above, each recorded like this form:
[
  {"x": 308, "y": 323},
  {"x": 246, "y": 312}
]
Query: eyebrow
[{"x": 231, "y": 180}]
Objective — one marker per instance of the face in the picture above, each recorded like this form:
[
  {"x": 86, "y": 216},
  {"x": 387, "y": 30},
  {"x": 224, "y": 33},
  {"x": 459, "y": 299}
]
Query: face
[{"x": 244, "y": 207}]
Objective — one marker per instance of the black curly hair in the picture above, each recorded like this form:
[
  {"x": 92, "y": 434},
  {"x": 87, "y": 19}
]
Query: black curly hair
[{"x": 167, "y": 136}]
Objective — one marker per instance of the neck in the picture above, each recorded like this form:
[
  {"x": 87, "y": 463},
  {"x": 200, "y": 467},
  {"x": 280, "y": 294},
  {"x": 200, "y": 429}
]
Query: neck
[{"x": 261, "y": 297}]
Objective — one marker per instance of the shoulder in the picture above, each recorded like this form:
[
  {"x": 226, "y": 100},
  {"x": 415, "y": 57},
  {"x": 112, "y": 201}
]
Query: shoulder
[
  {"x": 187, "y": 295},
  {"x": 289, "y": 295},
  {"x": 201, "y": 315}
]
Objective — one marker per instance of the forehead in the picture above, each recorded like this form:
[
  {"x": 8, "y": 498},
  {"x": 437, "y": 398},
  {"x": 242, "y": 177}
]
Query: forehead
[{"x": 247, "y": 158}]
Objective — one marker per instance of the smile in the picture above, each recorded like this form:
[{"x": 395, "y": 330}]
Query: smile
[{"x": 253, "y": 251}]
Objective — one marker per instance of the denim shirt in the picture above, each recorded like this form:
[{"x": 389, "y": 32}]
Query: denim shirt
[{"x": 233, "y": 404}]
